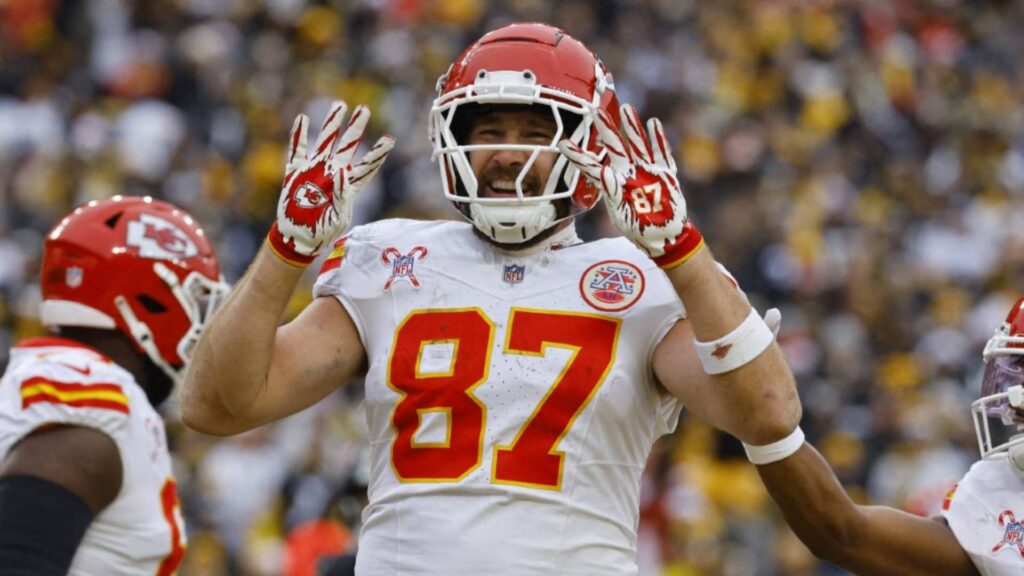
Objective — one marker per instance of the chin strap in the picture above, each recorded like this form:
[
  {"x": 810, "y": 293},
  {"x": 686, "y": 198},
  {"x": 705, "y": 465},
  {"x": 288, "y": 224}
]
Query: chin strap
[{"x": 144, "y": 338}]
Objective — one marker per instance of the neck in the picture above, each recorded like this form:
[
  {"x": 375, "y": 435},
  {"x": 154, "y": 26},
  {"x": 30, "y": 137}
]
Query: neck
[
  {"x": 122, "y": 351},
  {"x": 564, "y": 230}
]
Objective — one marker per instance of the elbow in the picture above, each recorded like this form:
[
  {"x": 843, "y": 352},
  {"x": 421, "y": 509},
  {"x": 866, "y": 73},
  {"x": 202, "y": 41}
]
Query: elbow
[
  {"x": 207, "y": 420},
  {"x": 204, "y": 416},
  {"x": 197, "y": 420},
  {"x": 773, "y": 420}
]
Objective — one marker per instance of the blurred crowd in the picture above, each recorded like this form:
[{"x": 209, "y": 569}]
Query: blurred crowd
[{"x": 858, "y": 164}]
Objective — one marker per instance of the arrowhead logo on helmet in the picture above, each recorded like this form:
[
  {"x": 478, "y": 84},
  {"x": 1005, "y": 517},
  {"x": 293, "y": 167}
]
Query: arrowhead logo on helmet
[
  {"x": 158, "y": 239},
  {"x": 137, "y": 265}
]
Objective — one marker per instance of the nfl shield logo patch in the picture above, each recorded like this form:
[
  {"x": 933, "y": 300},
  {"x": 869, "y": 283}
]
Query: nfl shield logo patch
[
  {"x": 402, "y": 265},
  {"x": 514, "y": 273},
  {"x": 73, "y": 276},
  {"x": 1013, "y": 535}
]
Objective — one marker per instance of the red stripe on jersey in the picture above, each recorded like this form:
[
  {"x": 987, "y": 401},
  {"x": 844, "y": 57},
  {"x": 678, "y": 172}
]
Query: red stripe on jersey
[
  {"x": 74, "y": 386},
  {"x": 330, "y": 264},
  {"x": 81, "y": 403},
  {"x": 949, "y": 497},
  {"x": 102, "y": 395},
  {"x": 336, "y": 256}
]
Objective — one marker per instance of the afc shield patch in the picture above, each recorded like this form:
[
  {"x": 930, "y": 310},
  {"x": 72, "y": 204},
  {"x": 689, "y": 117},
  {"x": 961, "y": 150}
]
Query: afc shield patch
[{"x": 612, "y": 285}]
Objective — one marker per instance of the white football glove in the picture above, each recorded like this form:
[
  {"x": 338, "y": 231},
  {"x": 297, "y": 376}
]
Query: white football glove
[
  {"x": 316, "y": 198},
  {"x": 640, "y": 188}
]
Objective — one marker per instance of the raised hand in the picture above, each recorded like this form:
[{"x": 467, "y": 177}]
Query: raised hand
[
  {"x": 640, "y": 187},
  {"x": 316, "y": 199}
]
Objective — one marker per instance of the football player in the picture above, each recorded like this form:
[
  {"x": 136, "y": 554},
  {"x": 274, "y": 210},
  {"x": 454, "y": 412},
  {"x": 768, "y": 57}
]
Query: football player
[
  {"x": 85, "y": 477},
  {"x": 516, "y": 377},
  {"x": 980, "y": 529}
]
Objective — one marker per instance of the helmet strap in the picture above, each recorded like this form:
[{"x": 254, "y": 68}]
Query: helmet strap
[{"x": 143, "y": 337}]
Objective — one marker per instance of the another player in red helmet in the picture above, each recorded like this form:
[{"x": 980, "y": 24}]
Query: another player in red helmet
[
  {"x": 85, "y": 477},
  {"x": 981, "y": 527},
  {"x": 516, "y": 376}
]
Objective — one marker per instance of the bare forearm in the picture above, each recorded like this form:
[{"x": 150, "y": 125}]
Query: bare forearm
[
  {"x": 760, "y": 400},
  {"x": 232, "y": 358},
  {"x": 868, "y": 540},
  {"x": 812, "y": 500}
]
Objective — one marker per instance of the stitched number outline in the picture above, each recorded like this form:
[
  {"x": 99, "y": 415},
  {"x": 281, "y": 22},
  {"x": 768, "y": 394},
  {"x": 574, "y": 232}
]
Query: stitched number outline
[{"x": 533, "y": 458}]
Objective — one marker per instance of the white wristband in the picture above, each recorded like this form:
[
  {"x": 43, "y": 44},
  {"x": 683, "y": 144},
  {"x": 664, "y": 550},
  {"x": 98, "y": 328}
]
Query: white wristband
[
  {"x": 736, "y": 348},
  {"x": 776, "y": 450}
]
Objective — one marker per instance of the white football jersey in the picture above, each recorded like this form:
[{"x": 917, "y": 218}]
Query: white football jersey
[
  {"x": 56, "y": 381},
  {"x": 985, "y": 510},
  {"x": 510, "y": 400}
]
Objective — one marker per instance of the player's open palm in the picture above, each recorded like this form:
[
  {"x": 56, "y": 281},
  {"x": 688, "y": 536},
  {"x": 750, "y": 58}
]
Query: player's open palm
[
  {"x": 640, "y": 187},
  {"x": 316, "y": 199}
]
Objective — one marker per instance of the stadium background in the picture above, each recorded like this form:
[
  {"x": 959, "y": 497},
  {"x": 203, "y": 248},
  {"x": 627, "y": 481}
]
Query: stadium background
[{"x": 859, "y": 164}]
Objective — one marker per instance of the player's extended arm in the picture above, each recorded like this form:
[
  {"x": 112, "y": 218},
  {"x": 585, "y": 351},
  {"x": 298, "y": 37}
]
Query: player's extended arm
[
  {"x": 52, "y": 484},
  {"x": 751, "y": 394},
  {"x": 245, "y": 370},
  {"x": 757, "y": 402},
  {"x": 867, "y": 540}
]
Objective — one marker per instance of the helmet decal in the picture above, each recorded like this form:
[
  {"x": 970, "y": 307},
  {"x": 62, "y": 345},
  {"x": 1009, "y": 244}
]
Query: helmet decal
[
  {"x": 137, "y": 265},
  {"x": 159, "y": 239}
]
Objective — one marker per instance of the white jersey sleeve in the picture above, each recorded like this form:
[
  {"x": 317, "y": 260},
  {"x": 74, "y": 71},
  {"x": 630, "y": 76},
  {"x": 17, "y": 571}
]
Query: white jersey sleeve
[
  {"x": 63, "y": 386},
  {"x": 52, "y": 382},
  {"x": 985, "y": 511}
]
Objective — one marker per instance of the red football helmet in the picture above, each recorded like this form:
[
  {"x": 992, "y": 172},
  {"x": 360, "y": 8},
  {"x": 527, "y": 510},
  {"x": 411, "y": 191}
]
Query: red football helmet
[
  {"x": 531, "y": 65},
  {"x": 1002, "y": 386},
  {"x": 137, "y": 265}
]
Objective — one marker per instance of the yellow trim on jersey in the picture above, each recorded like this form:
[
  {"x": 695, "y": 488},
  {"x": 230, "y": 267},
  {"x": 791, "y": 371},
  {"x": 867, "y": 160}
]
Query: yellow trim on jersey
[{"x": 45, "y": 388}]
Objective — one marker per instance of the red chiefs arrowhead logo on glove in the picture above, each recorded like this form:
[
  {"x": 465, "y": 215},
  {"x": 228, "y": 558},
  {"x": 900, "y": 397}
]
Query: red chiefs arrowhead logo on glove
[
  {"x": 310, "y": 196},
  {"x": 316, "y": 200}
]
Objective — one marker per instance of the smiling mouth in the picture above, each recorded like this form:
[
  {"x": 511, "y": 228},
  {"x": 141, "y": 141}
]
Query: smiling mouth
[{"x": 507, "y": 189}]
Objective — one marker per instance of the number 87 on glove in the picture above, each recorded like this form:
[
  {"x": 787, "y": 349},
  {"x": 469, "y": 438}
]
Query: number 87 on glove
[{"x": 640, "y": 188}]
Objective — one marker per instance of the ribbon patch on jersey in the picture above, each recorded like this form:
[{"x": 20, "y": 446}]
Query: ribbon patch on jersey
[
  {"x": 104, "y": 396},
  {"x": 1013, "y": 537},
  {"x": 612, "y": 285},
  {"x": 402, "y": 265},
  {"x": 513, "y": 273}
]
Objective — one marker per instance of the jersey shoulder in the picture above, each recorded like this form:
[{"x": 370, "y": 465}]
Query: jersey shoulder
[
  {"x": 396, "y": 243},
  {"x": 985, "y": 511},
  {"x": 64, "y": 384},
  {"x": 983, "y": 483}
]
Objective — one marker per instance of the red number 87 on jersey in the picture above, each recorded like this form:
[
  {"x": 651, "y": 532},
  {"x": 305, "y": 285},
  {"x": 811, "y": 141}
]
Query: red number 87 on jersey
[{"x": 532, "y": 459}]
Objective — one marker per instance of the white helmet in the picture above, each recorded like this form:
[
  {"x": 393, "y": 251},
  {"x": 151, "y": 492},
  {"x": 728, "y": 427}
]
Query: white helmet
[
  {"x": 1002, "y": 391},
  {"x": 525, "y": 65}
]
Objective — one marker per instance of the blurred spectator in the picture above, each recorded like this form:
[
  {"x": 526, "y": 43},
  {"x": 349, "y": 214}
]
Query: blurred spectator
[{"x": 859, "y": 164}]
